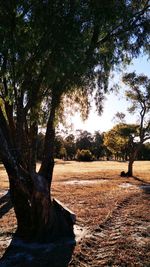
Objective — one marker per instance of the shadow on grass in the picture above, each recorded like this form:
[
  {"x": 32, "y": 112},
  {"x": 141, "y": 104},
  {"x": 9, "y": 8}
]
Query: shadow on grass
[
  {"x": 140, "y": 180},
  {"x": 21, "y": 254},
  {"x": 5, "y": 204},
  {"x": 145, "y": 188}
]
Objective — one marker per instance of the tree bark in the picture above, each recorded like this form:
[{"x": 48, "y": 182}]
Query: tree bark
[
  {"x": 130, "y": 167},
  {"x": 47, "y": 165},
  {"x": 38, "y": 217},
  {"x": 132, "y": 158}
]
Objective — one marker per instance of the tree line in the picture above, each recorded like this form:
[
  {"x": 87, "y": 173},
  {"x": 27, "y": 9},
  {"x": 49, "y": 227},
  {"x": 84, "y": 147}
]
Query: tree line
[{"x": 85, "y": 146}]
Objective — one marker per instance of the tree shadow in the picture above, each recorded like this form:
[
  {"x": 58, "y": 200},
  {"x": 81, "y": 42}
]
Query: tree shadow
[
  {"x": 146, "y": 188},
  {"x": 5, "y": 204},
  {"x": 22, "y": 254},
  {"x": 140, "y": 180}
]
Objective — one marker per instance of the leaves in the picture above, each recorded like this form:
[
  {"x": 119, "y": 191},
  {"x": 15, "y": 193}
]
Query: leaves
[
  {"x": 117, "y": 139},
  {"x": 53, "y": 49}
]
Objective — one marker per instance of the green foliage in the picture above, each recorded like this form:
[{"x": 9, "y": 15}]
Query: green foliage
[
  {"x": 139, "y": 96},
  {"x": 144, "y": 153},
  {"x": 98, "y": 149},
  {"x": 58, "y": 47},
  {"x": 59, "y": 147},
  {"x": 84, "y": 140},
  {"x": 63, "y": 153},
  {"x": 139, "y": 91},
  {"x": 84, "y": 155},
  {"x": 117, "y": 140},
  {"x": 70, "y": 146},
  {"x": 51, "y": 50}
]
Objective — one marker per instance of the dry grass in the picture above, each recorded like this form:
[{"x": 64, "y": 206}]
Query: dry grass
[
  {"x": 108, "y": 206},
  {"x": 90, "y": 170}
]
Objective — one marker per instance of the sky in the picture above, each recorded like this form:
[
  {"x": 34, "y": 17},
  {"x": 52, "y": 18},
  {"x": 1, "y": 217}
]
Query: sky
[{"x": 113, "y": 104}]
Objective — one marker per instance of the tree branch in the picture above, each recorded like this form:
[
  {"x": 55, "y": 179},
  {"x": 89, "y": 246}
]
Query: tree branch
[
  {"x": 121, "y": 28},
  {"x": 46, "y": 169},
  {"x": 4, "y": 126}
]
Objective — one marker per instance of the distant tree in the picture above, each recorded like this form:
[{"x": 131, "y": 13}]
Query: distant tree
[
  {"x": 63, "y": 153},
  {"x": 144, "y": 153},
  {"x": 139, "y": 96},
  {"x": 84, "y": 155},
  {"x": 97, "y": 145},
  {"x": 58, "y": 146},
  {"x": 84, "y": 140},
  {"x": 70, "y": 146},
  {"x": 117, "y": 140}
]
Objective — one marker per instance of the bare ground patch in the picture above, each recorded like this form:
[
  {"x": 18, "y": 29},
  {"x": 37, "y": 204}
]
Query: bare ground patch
[{"x": 115, "y": 211}]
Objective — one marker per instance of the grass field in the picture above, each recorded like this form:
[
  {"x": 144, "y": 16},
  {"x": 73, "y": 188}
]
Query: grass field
[{"x": 114, "y": 210}]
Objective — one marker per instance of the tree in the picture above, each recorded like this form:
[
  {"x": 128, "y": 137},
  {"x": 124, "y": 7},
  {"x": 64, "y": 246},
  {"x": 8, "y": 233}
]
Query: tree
[
  {"x": 144, "y": 153},
  {"x": 84, "y": 140},
  {"x": 58, "y": 146},
  {"x": 50, "y": 49},
  {"x": 139, "y": 96},
  {"x": 84, "y": 155},
  {"x": 117, "y": 139},
  {"x": 97, "y": 145},
  {"x": 70, "y": 146}
]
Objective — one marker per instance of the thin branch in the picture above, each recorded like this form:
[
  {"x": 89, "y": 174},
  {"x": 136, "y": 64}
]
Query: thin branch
[{"x": 117, "y": 31}]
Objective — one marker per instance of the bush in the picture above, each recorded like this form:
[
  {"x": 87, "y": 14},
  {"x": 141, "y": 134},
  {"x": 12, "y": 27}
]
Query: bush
[{"x": 84, "y": 155}]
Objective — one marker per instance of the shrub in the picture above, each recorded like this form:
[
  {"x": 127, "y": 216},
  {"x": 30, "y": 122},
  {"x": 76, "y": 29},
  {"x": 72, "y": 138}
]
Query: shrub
[{"x": 84, "y": 155}]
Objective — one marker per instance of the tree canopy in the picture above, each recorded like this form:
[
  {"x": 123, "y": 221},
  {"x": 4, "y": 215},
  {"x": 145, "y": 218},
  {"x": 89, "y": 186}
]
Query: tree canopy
[
  {"x": 117, "y": 139},
  {"x": 57, "y": 45},
  {"x": 138, "y": 94}
]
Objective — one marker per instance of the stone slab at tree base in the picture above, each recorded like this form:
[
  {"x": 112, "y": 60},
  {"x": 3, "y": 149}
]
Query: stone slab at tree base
[{"x": 67, "y": 212}]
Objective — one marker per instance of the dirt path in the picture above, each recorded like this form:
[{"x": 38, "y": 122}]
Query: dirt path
[{"x": 123, "y": 240}]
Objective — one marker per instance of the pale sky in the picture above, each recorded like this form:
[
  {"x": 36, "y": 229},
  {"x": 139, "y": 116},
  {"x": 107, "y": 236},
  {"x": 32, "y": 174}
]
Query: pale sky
[{"x": 112, "y": 105}]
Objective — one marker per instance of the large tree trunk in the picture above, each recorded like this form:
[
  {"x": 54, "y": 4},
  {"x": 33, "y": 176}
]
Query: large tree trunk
[{"x": 38, "y": 217}]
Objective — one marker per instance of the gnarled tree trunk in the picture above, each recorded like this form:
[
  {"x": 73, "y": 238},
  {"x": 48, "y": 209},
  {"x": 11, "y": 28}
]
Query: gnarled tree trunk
[{"x": 38, "y": 217}]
